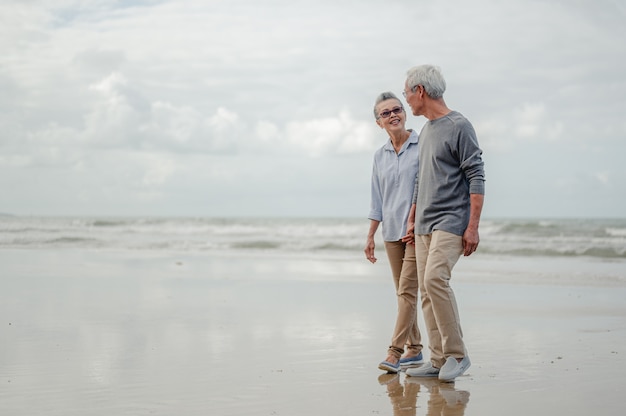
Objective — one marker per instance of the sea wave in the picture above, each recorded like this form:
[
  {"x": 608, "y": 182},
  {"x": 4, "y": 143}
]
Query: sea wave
[{"x": 599, "y": 238}]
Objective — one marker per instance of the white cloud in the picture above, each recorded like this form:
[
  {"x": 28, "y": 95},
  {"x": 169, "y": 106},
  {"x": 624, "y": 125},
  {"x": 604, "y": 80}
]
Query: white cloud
[
  {"x": 163, "y": 98},
  {"x": 528, "y": 120},
  {"x": 226, "y": 129},
  {"x": 602, "y": 177},
  {"x": 183, "y": 129},
  {"x": 533, "y": 121},
  {"x": 266, "y": 131},
  {"x": 340, "y": 134},
  {"x": 114, "y": 120},
  {"x": 158, "y": 169}
]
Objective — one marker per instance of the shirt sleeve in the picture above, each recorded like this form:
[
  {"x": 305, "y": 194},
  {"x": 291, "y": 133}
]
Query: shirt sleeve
[{"x": 376, "y": 204}]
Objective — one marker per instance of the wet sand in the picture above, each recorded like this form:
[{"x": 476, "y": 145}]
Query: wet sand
[{"x": 108, "y": 333}]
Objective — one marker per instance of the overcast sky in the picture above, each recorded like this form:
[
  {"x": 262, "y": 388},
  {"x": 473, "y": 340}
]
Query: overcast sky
[{"x": 264, "y": 107}]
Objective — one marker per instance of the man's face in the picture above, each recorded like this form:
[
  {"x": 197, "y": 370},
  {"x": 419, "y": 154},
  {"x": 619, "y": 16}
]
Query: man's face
[{"x": 413, "y": 98}]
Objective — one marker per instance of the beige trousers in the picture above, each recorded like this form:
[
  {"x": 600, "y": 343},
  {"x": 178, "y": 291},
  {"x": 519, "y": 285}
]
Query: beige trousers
[
  {"x": 437, "y": 253},
  {"x": 404, "y": 269}
]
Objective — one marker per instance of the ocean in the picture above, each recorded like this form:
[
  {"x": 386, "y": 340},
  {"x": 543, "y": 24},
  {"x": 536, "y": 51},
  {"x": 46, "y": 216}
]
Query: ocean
[{"x": 594, "y": 238}]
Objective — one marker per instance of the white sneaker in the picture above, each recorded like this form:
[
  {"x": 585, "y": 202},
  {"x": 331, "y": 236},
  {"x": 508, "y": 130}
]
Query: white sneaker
[
  {"x": 452, "y": 368},
  {"x": 426, "y": 370}
]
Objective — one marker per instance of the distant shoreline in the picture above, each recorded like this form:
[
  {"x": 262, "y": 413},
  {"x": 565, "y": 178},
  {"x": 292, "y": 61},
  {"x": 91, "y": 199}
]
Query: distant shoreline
[{"x": 293, "y": 217}]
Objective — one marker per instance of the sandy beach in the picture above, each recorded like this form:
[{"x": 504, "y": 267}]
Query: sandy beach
[{"x": 141, "y": 333}]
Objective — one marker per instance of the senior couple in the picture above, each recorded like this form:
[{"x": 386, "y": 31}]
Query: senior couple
[{"x": 427, "y": 191}]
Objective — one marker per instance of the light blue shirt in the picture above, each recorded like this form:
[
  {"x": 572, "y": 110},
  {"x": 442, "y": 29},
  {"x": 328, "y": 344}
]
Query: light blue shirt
[{"x": 393, "y": 182}]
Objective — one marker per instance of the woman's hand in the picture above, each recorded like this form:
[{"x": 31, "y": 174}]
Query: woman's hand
[
  {"x": 369, "y": 250},
  {"x": 409, "y": 238}
]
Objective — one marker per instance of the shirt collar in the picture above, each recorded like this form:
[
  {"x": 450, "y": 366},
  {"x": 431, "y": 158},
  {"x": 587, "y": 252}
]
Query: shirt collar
[{"x": 413, "y": 138}]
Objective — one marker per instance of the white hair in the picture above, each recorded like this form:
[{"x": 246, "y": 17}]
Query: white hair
[{"x": 428, "y": 76}]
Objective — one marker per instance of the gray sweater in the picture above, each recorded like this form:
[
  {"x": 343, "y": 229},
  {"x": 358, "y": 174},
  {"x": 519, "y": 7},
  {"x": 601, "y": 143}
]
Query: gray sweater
[{"x": 450, "y": 169}]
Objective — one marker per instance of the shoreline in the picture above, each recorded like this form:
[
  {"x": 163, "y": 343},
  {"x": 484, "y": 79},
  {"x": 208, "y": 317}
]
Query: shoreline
[
  {"x": 105, "y": 332},
  {"x": 331, "y": 265}
]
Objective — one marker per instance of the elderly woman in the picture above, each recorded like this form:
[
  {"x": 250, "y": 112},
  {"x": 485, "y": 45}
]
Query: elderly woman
[{"x": 393, "y": 180}]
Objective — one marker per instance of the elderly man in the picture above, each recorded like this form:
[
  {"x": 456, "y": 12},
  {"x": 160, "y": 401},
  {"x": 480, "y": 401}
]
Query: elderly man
[{"x": 446, "y": 209}]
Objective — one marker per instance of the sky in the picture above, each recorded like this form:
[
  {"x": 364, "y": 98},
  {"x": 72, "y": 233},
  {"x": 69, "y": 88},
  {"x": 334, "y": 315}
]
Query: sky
[{"x": 261, "y": 108}]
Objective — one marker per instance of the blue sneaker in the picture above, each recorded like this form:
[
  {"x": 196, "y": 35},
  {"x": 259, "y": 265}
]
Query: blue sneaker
[
  {"x": 411, "y": 361},
  {"x": 389, "y": 367}
]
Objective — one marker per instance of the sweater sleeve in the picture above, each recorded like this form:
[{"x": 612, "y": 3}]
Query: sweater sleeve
[
  {"x": 415, "y": 189},
  {"x": 471, "y": 160}
]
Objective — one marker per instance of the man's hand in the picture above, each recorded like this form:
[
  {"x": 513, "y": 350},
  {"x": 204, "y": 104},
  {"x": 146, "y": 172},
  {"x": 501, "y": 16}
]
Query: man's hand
[
  {"x": 470, "y": 241},
  {"x": 470, "y": 236}
]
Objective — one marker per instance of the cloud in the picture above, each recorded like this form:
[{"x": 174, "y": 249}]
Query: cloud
[
  {"x": 532, "y": 121},
  {"x": 121, "y": 117},
  {"x": 159, "y": 168},
  {"x": 186, "y": 129},
  {"x": 510, "y": 131},
  {"x": 168, "y": 100},
  {"x": 114, "y": 119},
  {"x": 602, "y": 177},
  {"x": 99, "y": 61},
  {"x": 340, "y": 134}
]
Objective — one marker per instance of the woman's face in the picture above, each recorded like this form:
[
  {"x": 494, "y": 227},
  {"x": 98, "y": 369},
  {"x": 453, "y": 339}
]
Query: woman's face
[{"x": 391, "y": 115}]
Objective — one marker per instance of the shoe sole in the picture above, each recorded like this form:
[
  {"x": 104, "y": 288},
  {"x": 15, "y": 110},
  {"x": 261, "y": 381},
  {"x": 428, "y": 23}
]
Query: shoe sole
[
  {"x": 429, "y": 375},
  {"x": 411, "y": 364},
  {"x": 388, "y": 368}
]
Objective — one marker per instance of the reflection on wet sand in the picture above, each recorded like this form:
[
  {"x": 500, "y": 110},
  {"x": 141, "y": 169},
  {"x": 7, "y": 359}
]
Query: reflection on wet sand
[{"x": 443, "y": 398}]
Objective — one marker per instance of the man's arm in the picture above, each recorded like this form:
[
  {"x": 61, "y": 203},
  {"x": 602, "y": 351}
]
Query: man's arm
[
  {"x": 470, "y": 237},
  {"x": 410, "y": 222}
]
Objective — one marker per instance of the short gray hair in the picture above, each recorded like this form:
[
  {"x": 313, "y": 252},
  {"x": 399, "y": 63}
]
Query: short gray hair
[
  {"x": 428, "y": 76},
  {"x": 384, "y": 96}
]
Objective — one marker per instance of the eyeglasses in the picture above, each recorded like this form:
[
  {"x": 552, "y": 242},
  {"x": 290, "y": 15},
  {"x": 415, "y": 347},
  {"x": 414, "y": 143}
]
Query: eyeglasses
[
  {"x": 413, "y": 89},
  {"x": 395, "y": 110}
]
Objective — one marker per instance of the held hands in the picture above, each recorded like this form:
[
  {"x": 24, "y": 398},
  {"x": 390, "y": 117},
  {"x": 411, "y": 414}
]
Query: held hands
[
  {"x": 369, "y": 250},
  {"x": 409, "y": 238}
]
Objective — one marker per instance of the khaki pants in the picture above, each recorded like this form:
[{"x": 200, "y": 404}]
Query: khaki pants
[
  {"x": 437, "y": 253},
  {"x": 404, "y": 269}
]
